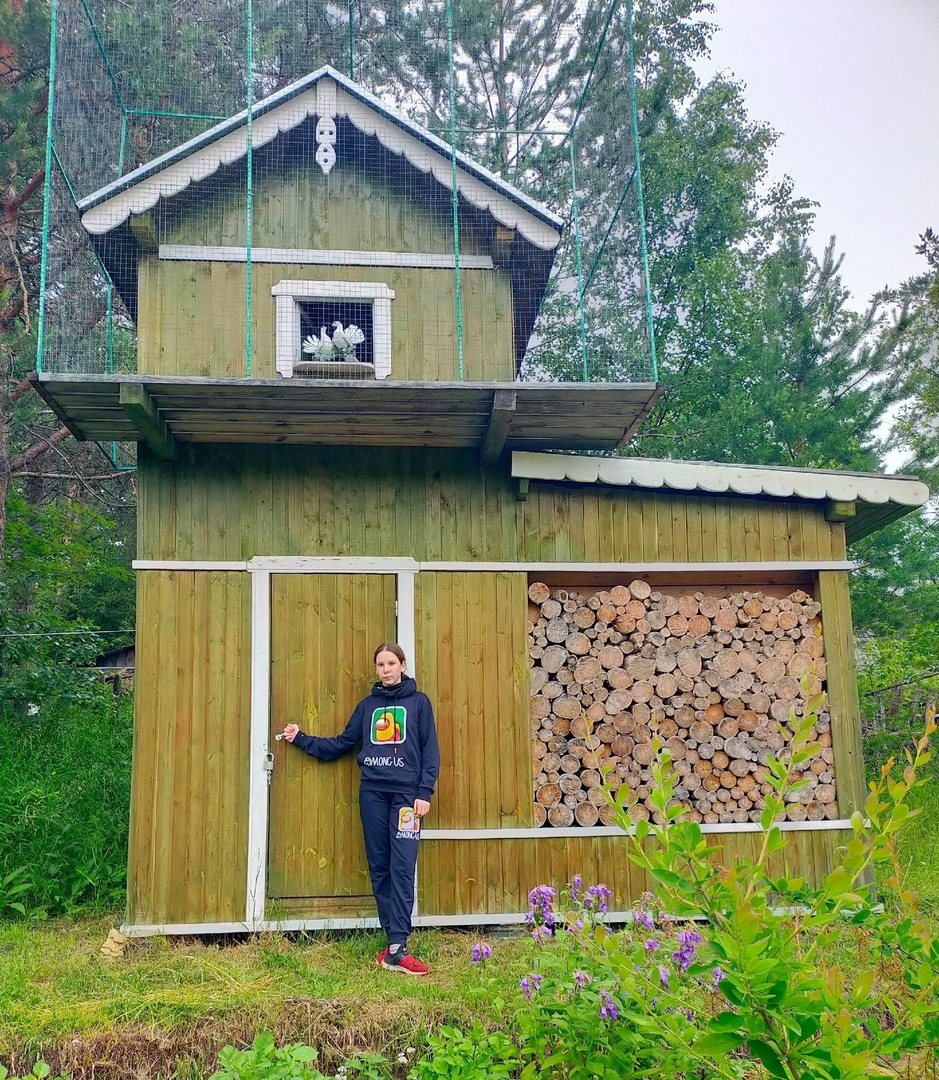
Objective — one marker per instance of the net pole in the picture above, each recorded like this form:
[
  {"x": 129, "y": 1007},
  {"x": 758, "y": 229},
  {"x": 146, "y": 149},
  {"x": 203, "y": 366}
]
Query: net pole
[
  {"x": 351, "y": 43},
  {"x": 640, "y": 201},
  {"x": 249, "y": 192},
  {"x": 47, "y": 185},
  {"x": 578, "y": 258},
  {"x": 454, "y": 197}
]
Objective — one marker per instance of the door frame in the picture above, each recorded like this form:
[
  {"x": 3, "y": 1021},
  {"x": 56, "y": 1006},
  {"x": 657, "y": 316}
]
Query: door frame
[{"x": 259, "y": 755}]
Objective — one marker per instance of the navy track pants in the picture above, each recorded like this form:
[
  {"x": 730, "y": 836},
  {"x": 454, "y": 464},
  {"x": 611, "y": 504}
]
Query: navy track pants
[{"x": 391, "y": 851}]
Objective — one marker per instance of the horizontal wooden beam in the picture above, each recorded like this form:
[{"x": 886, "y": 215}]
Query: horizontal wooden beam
[
  {"x": 840, "y": 511},
  {"x": 145, "y": 416},
  {"x": 500, "y": 419}
]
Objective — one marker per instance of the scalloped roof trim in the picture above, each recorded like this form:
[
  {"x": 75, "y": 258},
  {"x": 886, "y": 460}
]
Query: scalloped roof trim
[
  {"x": 326, "y": 91},
  {"x": 715, "y": 478}
]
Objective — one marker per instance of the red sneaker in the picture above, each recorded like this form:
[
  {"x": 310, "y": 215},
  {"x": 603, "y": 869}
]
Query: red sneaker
[
  {"x": 381, "y": 957},
  {"x": 405, "y": 965}
]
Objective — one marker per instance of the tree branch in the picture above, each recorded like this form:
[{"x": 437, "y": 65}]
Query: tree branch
[{"x": 38, "y": 449}]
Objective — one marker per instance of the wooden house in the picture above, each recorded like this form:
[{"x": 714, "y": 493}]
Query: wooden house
[{"x": 556, "y": 606}]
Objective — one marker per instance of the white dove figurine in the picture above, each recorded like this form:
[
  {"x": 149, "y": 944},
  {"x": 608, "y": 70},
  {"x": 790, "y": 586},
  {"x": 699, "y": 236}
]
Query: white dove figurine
[{"x": 346, "y": 338}]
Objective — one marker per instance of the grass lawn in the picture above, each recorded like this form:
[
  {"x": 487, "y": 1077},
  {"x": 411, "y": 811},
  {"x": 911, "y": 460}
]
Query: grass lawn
[{"x": 169, "y": 1003}]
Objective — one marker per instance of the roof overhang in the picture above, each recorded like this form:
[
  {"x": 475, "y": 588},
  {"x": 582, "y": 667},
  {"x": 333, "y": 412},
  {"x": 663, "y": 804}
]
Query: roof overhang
[
  {"x": 865, "y": 502},
  {"x": 163, "y": 411},
  {"x": 324, "y": 92}
]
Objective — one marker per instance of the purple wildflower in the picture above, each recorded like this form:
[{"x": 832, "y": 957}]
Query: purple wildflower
[
  {"x": 651, "y": 944},
  {"x": 664, "y": 975},
  {"x": 597, "y": 896},
  {"x": 541, "y": 933},
  {"x": 577, "y": 883},
  {"x": 689, "y": 1016},
  {"x": 608, "y": 1009},
  {"x": 530, "y": 984},
  {"x": 481, "y": 951},
  {"x": 716, "y": 976},
  {"x": 541, "y": 905},
  {"x": 581, "y": 978},
  {"x": 645, "y": 919},
  {"x": 688, "y": 942}
]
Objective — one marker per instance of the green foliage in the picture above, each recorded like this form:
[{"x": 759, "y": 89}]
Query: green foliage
[
  {"x": 753, "y": 972},
  {"x": 64, "y": 796},
  {"x": 66, "y": 570},
  {"x": 40, "y": 1071},
  {"x": 264, "y": 1060},
  {"x": 454, "y": 1054}
]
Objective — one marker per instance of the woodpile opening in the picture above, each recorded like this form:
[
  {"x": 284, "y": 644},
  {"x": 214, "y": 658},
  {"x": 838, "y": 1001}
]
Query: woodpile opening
[{"x": 714, "y": 676}]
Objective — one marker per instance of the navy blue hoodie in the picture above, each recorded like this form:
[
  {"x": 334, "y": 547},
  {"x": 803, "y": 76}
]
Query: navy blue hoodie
[{"x": 395, "y": 727}]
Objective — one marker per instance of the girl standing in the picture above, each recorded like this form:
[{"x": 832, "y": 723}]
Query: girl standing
[{"x": 400, "y": 760}]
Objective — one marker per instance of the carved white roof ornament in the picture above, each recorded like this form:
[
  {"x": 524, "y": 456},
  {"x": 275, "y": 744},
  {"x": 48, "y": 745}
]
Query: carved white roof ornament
[
  {"x": 325, "y": 93},
  {"x": 326, "y": 125}
]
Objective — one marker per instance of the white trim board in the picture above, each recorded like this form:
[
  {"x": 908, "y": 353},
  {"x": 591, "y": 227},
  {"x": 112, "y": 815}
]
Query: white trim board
[
  {"x": 185, "y": 564},
  {"x": 644, "y": 568},
  {"x": 546, "y": 833},
  {"x": 428, "y": 260},
  {"x": 328, "y": 564},
  {"x": 302, "y": 564}
]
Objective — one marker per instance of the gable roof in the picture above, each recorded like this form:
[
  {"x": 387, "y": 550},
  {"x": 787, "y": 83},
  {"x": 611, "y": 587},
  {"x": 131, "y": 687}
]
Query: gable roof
[
  {"x": 880, "y": 499},
  {"x": 324, "y": 92}
]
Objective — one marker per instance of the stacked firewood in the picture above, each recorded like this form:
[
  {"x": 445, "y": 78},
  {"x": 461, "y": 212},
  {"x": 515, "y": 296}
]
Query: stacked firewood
[{"x": 714, "y": 677}]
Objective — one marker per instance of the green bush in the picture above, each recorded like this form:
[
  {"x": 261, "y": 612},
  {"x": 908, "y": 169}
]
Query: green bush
[
  {"x": 753, "y": 973},
  {"x": 64, "y": 798}
]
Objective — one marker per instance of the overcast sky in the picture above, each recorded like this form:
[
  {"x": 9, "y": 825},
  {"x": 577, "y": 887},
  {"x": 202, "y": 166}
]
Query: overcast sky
[{"x": 853, "y": 88}]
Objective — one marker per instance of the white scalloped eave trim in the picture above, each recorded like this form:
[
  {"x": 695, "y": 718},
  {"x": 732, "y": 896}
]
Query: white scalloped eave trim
[
  {"x": 229, "y": 148},
  {"x": 718, "y": 479}
]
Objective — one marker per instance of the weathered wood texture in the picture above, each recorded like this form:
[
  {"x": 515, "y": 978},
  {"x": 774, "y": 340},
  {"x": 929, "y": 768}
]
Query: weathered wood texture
[
  {"x": 324, "y": 629},
  {"x": 235, "y": 502},
  {"x": 835, "y": 598},
  {"x": 715, "y": 677},
  {"x": 471, "y": 644},
  {"x": 191, "y": 318},
  {"x": 495, "y": 876},
  {"x": 189, "y": 805}
]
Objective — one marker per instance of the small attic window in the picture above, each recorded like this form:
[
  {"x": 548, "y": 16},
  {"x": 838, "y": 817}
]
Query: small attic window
[
  {"x": 310, "y": 309},
  {"x": 319, "y": 318}
]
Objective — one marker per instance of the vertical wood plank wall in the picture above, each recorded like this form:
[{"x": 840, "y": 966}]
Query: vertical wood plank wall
[
  {"x": 192, "y": 698},
  {"x": 189, "y": 800},
  {"x": 191, "y": 319},
  {"x": 234, "y": 502}
]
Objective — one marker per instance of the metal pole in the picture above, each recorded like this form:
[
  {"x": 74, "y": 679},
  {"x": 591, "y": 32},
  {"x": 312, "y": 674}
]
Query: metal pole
[
  {"x": 454, "y": 198},
  {"x": 249, "y": 195},
  {"x": 47, "y": 186},
  {"x": 641, "y": 207},
  {"x": 575, "y": 210}
]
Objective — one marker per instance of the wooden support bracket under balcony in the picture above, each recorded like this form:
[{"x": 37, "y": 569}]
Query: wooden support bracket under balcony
[
  {"x": 503, "y": 409},
  {"x": 145, "y": 416}
]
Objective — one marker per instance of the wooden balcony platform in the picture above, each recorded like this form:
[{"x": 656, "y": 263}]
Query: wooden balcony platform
[{"x": 162, "y": 411}]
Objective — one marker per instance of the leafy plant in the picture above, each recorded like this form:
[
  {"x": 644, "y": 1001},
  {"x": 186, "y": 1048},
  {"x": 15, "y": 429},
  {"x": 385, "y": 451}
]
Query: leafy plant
[
  {"x": 264, "y": 1060},
  {"x": 455, "y": 1054}
]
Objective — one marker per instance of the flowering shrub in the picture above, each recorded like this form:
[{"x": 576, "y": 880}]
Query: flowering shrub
[{"x": 732, "y": 971}]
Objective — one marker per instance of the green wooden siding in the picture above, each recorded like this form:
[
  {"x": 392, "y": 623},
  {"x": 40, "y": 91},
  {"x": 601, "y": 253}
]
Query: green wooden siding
[
  {"x": 495, "y": 876},
  {"x": 234, "y": 502},
  {"x": 189, "y": 803},
  {"x": 188, "y": 836},
  {"x": 191, "y": 318}
]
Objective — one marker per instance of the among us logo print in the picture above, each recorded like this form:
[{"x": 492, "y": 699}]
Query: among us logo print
[{"x": 389, "y": 725}]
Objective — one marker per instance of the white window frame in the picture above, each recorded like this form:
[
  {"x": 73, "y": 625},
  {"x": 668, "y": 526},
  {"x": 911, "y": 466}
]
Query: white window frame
[{"x": 287, "y": 295}]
